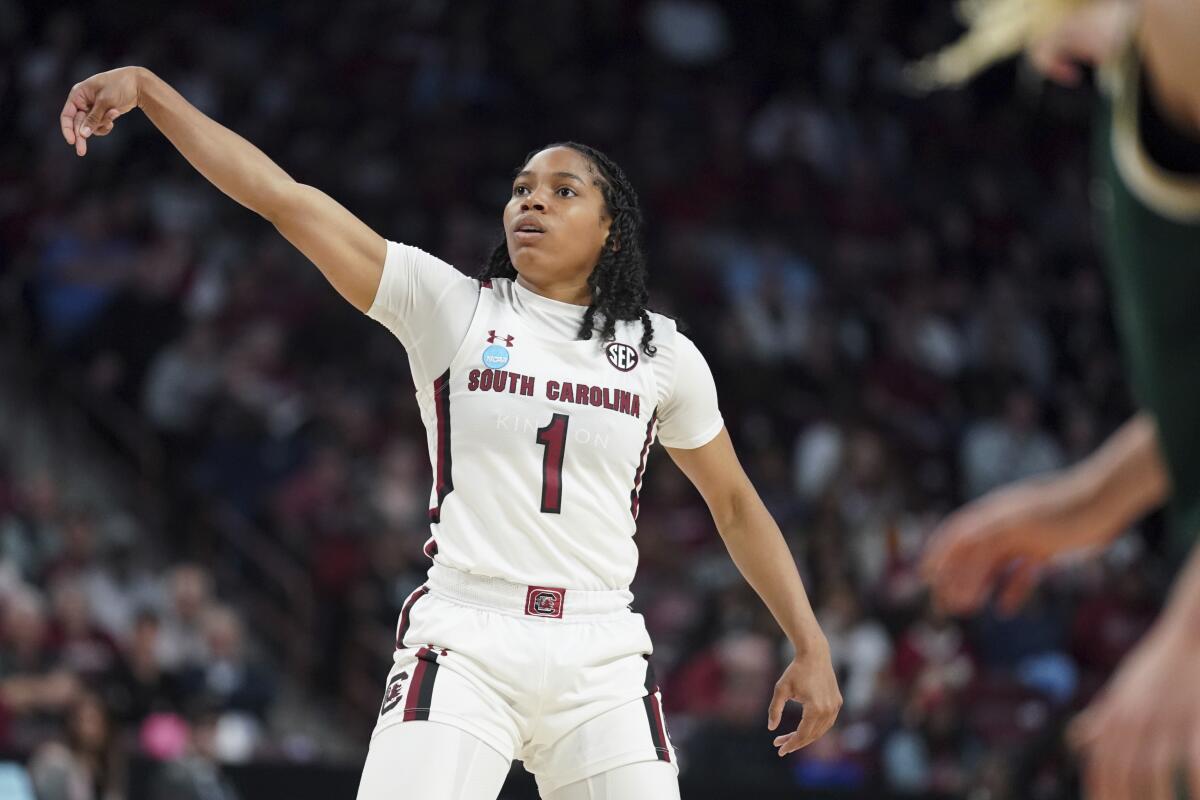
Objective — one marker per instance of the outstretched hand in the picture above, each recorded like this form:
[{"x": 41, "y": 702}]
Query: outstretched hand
[
  {"x": 1004, "y": 541},
  {"x": 809, "y": 680},
  {"x": 93, "y": 105}
]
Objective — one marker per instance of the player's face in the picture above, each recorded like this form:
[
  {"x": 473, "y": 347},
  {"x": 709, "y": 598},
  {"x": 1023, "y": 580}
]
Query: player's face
[{"x": 556, "y": 221}]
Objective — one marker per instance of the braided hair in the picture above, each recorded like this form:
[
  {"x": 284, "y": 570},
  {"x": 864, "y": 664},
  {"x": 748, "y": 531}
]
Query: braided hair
[{"x": 618, "y": 282}]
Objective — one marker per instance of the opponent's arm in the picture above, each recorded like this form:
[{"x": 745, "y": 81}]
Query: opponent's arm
[
  {"x": 346, "y": 250},
  {"x": 1167, "y": 38},
  {"x": 1126, "y": 475},
  {"x": 1003, "y": 539},
  {"x": 758, "y": 549}
]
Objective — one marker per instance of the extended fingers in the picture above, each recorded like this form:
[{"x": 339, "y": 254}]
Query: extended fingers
[
  {"x": 775, "y": 710},
  {"x": 947, "y": 553},
  {"x": 80, "y": 141},
  {"x": 1018, "y": 586},
  {"x": 66, "y": 120},
  {"x": 83, "y": 127},
  {"x": 106, "y": 125},
  {"x": 966, "y": 587},
  {"x": 803, "y": 736},
  {"x": 1155, "y": 775},
  {"x": 817, "y": 720}
]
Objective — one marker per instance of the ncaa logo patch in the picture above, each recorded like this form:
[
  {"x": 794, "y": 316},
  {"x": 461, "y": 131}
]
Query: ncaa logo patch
[
  {"x": 495, "y": 356},
  {"x": 544, "y": 601},
  {"x": 621, "y": 356}
]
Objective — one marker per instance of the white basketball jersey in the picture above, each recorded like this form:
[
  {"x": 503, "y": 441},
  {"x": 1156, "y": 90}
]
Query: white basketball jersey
[
  {"x": 538, "y": 443},
  {"x": 538, "y": 448}
]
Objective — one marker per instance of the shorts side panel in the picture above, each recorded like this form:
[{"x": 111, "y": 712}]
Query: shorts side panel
[
  {"x": 439, "y": 677},
  {"x": 624, "y": 735}
]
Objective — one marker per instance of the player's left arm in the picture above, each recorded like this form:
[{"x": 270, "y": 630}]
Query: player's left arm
[{"x": 758, "y": 549}]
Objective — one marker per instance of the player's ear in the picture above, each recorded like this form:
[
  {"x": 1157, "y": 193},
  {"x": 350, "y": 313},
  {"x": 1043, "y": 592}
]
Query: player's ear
[{"x": 611, "y": 237}]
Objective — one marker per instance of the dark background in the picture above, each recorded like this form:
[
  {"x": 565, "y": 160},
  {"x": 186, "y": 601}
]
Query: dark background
[{"x": 212, "y": 472}]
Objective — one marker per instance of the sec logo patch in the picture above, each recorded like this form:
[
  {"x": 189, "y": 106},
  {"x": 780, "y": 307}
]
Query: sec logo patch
[{"x": 621, "y": 356}]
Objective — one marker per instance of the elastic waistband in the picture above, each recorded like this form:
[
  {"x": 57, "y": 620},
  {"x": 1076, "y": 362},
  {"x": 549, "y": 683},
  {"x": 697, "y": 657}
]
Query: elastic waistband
[{"x": 548, "y": 602}]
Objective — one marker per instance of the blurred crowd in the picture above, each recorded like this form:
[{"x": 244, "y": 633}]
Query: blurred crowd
[
  {"x": 104, "y": 651},
  {"x": 901, "y": 298}
]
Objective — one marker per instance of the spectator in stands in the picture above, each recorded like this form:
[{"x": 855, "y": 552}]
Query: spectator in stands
[
  {"x": 1007, "y": 448},
  {"x": 181, "y": 641},
  {"x": 89, "y": 764},
  {"x": 140, "y": 685},
  {"x": 227, "y": 679},
  {"x": 196, "y": 775},
  {"x": 34, "y": 687},
  {"x": 73, "y": 638},
  {"x": 181, "y": 382}
]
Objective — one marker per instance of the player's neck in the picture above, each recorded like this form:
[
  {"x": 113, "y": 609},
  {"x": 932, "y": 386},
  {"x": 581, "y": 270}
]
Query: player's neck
[{"x": 577, "y": 294}]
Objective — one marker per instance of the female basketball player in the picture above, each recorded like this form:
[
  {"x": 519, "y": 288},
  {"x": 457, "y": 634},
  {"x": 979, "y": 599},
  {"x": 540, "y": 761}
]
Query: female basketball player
[{"x": 542, "y": 385}]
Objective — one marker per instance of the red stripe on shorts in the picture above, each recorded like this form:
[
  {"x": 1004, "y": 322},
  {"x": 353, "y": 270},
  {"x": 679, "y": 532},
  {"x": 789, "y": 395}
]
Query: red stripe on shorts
[
  {"x": 658, "y": 728},
  {"x": 405, "y": 611},
  {"x": 420, "y": 691},
  {"x": 658, "y": 732}
]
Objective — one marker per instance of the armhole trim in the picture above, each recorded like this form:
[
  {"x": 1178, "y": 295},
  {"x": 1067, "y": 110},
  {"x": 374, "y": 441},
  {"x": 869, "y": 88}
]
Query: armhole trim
[{"x": 1174, "y": 196}]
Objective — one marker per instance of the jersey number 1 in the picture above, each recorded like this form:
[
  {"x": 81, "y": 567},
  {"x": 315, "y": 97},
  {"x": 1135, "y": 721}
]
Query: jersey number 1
[{"x": 554, "y": 436}]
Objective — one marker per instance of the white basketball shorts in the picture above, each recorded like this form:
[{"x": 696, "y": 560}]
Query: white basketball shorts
[{"x": 559, "y": 679}]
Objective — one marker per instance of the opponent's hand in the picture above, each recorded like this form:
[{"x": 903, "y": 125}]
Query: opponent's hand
[
  {"x": 1090, "y": 35},
  {"x": 93, "y": 105},
  {"x": 1144, "y": 729},
  {"x": 1006, "y": 537},
  {"x": 809, "y": 680}
]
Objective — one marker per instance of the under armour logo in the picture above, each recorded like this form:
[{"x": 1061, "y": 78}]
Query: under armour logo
[{"x": 493, "y": 336}]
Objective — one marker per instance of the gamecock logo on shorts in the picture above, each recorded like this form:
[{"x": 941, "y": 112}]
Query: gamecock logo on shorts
[
  {"x": 391, "y": 695},
  {"x": 545, "y": 601}
]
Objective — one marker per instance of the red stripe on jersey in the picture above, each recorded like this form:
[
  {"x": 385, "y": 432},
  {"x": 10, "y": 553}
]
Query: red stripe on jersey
[
  {"x": 443, "y": 481},
  {"x": 430, "y": 548},
  {"x": 637, "y": 476},
  {"x": 487, "y": 284}
]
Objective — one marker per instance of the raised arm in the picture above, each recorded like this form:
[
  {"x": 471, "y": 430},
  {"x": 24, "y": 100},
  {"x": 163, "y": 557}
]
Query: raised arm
[{"x": 345, "y": 249}]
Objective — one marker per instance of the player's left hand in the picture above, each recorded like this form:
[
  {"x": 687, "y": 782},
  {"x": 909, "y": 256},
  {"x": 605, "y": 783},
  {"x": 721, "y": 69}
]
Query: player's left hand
[
  {"x": 809, "y": 680},
  {"x": 1144, "y": 729}
]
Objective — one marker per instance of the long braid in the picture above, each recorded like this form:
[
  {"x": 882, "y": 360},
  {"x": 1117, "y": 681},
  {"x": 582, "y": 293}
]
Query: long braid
[{"x": 618, "y": 282}]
